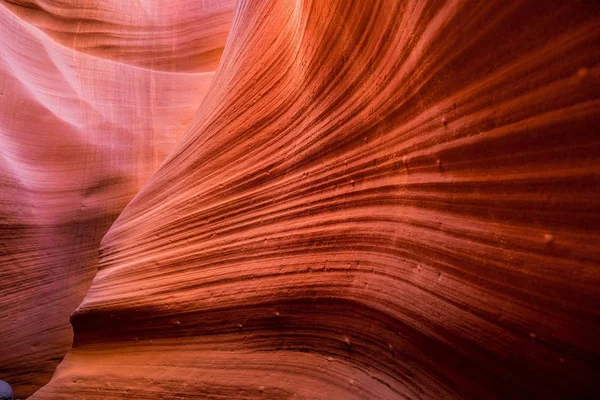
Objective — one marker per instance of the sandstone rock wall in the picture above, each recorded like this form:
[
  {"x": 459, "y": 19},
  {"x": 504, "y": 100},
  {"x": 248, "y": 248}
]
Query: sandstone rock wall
[
  {"x": 91, "y": 101},
  {"x": 376, "y": 200}
]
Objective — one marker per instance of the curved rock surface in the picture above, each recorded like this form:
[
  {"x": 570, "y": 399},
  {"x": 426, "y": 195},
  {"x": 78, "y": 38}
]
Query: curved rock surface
[
  {"x": 92, "y": 99},
  {"x": 376, "y": 200}
]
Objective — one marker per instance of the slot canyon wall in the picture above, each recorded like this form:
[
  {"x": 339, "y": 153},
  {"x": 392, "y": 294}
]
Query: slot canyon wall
[
  {"x": 369, "y": 200},
  {"x": 92, "y": 99}
]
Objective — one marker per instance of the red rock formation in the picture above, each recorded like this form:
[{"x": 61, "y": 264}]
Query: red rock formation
[
  {"x": 92, "y": 99},
  {"x": 376, "y": 200}
]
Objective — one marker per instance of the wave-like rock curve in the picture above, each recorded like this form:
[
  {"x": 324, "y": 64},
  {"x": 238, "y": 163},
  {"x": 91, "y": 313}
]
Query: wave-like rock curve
[{"x": 376, "y": 200}]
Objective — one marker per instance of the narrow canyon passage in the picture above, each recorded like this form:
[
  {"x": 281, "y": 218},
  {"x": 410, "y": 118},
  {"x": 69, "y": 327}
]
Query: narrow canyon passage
[{"x": 369, "y": 200}]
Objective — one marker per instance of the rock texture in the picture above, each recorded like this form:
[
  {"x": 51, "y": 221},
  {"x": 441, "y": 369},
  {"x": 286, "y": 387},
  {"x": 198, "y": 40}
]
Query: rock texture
[
  {"x": 376, "y": 200},
  {"x": 92, "y": 99}
]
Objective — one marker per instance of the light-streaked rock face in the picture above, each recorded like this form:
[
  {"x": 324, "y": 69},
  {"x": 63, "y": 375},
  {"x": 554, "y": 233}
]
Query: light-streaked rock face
[
  {"x": 376, "y": 200},
  {"x": 92, "y": 99}
]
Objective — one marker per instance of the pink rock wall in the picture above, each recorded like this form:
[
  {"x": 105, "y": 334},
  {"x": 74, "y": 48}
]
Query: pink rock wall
[{"x": 92, "y": 99}]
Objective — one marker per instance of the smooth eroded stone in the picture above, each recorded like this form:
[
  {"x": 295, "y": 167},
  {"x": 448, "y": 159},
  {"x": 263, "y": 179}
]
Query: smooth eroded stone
[
  {"x": 373, "y": 199},
  {"x": 94, "y": 94}
]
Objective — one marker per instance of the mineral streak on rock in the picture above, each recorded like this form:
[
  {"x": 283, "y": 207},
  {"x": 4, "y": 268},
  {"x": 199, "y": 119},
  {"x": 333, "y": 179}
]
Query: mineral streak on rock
[{"x": 375, "y": 200}]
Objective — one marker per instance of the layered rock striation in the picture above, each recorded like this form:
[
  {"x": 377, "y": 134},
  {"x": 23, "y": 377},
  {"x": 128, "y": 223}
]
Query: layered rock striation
[
  {"x": 375, "y": 200},
  {"x": 93, "y": 97}
]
